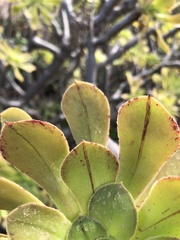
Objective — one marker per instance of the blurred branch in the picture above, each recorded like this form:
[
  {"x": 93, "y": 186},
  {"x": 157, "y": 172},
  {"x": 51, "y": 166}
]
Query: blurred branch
[
  {"x": 44, "y": 78},
  {"x": 39, "y": 43},
  {"x": 66, "y": 32},
  {"x": 91, "y": 62},
  {"x": 125, "y": 22},
  {"x": 104, "y": 12},
  {"x": 121, "y": 50},
  {"x": 10, "y": 103},
  {"x": 57, "y": 29},
  {"x": 149, "y": 72},
  {"x": 121, "y": 9}
]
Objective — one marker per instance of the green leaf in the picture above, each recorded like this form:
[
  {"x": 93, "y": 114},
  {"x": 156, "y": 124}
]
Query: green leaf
[
  {"x": 32, "y": 221},
  {"x": 163, "y": 6},
  {"x": 87, "y": 112},
  {"x": 85, "y": 227},
  {"x": 38, "y": 148},
  {"x": 159, "y": 215},
  {"x": 175, "y": 18},
  {"x": 12, "y": 195},
  {"x": 28, "y": 67},
  {"x": 170, "y": 168},
  {"x": 148, "y": 137},
  {"x": 87, "y": 167},
  {"x": 113, "y": 206},
  {"x": 13, "y": 114},
  {"x": 17, "y": 74},
  {"x": 161, "y": 42}
]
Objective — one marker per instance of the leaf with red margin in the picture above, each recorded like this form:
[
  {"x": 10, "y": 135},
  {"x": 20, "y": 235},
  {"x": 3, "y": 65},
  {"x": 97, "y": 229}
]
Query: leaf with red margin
[
  {"x": 38, "y": 148},
  {"x": 159, "y": 215},
  {"x": 86, "y": 168},
  {"x": 87, "y": 111},
  {"x": 148, "y": 136}
]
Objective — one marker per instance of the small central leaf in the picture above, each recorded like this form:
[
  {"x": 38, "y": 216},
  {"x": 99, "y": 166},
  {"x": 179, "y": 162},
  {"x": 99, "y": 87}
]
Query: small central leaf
[
  {"x": 87, "y": 167},
  {"x": 85, "y": 227},
  {"x": 113, "y": 206}
]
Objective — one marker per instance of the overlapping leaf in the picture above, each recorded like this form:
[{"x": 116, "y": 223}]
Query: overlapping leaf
[
  {"x": 86, "y": 168},
  {"x": 85, "y": 228},
  {"x": 12, "y": 195},
  {"x": 32, "y": 221},
  {"x": 159, "y": 215},
  {"x": 148, "y": 137},
  {"x": 14, "y": 114},
  {"x": 38, "y": 148},
  {"x": 113, "y": 206}
]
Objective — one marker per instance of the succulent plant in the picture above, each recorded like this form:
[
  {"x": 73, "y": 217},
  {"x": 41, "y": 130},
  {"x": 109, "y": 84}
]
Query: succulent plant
[{"x": 96, "y": 195}]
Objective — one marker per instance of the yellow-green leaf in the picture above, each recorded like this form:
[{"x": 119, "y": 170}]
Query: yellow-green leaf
[
  {"x": 38, "y": 148},
  {"x": 163, "y": 6},
  {"x": 161, "y": 43},
  {"x": 17, "y": 74},
  {"x": 86, "y": 168},
  {"x": 148, "y": 137},
  {"x": 33, "y": 221},
  {"x": 87, "y": 111},
  {"x": 13, "y": 114},
  {"x": 159, "y": 215},
  {"x": 12, "y": 195},
  {"x": 28, "y": 67},
  {"x": 175, "y": 19}
]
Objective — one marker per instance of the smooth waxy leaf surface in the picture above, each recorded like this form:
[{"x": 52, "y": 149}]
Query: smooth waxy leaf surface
[
  {"x": 32, "y": 221},
  {"x": 86, "y": 168},
  {"x": 12, "y": 195},
  {"x": 113, "y": 206},
  {"x": 38, "y": 148},
  {"x": 159, "y": 215},
  {"x": 171, "y": 167},
  {"x": 87, "y": 112},
  {"x": 148, "y": 137},
  {"x": 85, "y": 228},
  {"x": 14, "y": 114}
]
